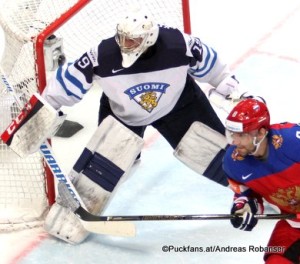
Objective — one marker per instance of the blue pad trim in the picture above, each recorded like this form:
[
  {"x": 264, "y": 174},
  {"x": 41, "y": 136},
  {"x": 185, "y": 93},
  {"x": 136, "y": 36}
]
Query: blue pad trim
[
  {"x": 215, "y": 171},
  {"x": 103, "y": 172}
]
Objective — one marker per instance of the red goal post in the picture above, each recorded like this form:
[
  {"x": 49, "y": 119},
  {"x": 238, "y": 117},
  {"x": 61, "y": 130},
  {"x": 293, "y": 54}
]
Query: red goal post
[{"x": 39, "y": 34}]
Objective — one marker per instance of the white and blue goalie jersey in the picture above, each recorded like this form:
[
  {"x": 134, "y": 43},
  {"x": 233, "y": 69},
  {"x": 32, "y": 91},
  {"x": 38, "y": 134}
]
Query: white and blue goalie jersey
[{"x": 150, "y": 88}]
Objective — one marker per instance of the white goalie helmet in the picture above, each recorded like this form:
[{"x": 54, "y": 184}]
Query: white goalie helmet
[{"x": 135, "y": 33}]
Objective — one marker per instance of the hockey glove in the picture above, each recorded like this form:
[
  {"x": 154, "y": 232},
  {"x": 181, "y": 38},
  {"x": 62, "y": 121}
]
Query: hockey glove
[
  {"x": 245, "y": 208},
  {"x": 228, "y": 86},
  {"x": 226, "y": 95}
]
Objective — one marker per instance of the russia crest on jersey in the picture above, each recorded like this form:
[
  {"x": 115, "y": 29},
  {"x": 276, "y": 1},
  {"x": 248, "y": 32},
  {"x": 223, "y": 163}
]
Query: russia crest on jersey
[{"x": 147, "y": 95}]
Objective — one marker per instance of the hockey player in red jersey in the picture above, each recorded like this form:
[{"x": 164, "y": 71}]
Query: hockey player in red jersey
[{"x": 263, "y": 161}]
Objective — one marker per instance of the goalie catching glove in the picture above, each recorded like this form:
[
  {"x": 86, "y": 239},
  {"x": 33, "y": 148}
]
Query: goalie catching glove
[
  {"x": 244, "y": 209},
  {"x": 227, "y": 94}
]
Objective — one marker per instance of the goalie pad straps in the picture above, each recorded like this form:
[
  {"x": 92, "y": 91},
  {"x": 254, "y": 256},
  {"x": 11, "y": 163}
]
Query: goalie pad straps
[
  {"x": 99, "y": 169},
  {"x": 36, "y": 122},
  {"x": 109, "y": 154},
  {"x": 202, "y": 150}
]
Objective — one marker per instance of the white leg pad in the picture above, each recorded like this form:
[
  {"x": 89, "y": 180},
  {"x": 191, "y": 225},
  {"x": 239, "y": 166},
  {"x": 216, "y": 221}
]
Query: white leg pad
[
  {"x": 93, "y": 196},
  {"x": 199, "y": 146},
  {"x": 116, "y": 143},
  {"x": 62, "y": 223}
]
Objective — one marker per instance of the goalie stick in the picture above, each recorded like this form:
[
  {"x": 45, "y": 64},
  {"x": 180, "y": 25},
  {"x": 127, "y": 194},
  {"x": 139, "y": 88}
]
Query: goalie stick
[
  {"x": 116, "y": 229},
  {"x": 92, "y": 220},
  {"x": 11, "y": 91}
]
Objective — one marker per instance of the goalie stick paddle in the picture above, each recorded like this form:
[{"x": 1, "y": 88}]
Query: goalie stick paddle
[{"x": 92, "y": 220}]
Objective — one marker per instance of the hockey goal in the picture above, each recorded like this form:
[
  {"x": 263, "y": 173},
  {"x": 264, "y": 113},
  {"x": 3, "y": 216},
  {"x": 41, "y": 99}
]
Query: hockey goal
[{"x": 39, "y": 35}]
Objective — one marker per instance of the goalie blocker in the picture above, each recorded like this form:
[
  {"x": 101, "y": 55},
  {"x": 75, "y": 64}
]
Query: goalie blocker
[
  {"x": 202, "y": 149},
  {"x": 36, "y": 122}
]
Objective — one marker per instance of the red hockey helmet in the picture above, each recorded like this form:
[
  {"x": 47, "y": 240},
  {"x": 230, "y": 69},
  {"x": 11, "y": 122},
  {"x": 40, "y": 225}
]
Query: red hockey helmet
[{"x": 248, "y": 115}]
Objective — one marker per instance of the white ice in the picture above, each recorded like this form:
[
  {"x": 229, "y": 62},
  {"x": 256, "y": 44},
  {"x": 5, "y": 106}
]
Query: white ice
[{"x": 259, "y": 40}]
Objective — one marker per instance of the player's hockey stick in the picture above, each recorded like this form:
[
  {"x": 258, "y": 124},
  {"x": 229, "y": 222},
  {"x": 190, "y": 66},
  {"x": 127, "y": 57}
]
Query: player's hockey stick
[
  {"x": 88, "y": 217},
  {"x": 93, "y": 220},
  {"x": 117, "y": 229}
]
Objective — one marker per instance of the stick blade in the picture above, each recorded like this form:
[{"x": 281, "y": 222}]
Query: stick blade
[
  {"x": 89, "y": 222},
  {"x": 117, "y": 228}
]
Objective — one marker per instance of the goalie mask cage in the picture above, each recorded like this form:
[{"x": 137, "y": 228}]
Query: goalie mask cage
[{"x": 26, "y": 185}]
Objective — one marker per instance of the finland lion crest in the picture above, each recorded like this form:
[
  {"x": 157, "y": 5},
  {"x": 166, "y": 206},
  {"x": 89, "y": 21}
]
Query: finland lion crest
[{"x": 147, "y": 95}]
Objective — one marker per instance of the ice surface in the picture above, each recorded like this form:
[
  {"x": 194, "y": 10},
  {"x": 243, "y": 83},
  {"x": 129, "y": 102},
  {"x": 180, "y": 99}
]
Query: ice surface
[{"x": 258, "y": 40}]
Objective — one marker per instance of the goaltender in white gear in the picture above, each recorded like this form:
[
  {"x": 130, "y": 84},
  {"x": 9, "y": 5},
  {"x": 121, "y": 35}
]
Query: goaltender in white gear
[{"x": 148, "y": 74}]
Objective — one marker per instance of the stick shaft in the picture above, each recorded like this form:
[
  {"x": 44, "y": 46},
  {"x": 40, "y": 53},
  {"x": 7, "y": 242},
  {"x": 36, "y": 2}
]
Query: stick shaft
[
  {"x": 88, "y": 217},
  {"x": 12, "y": 92}
]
